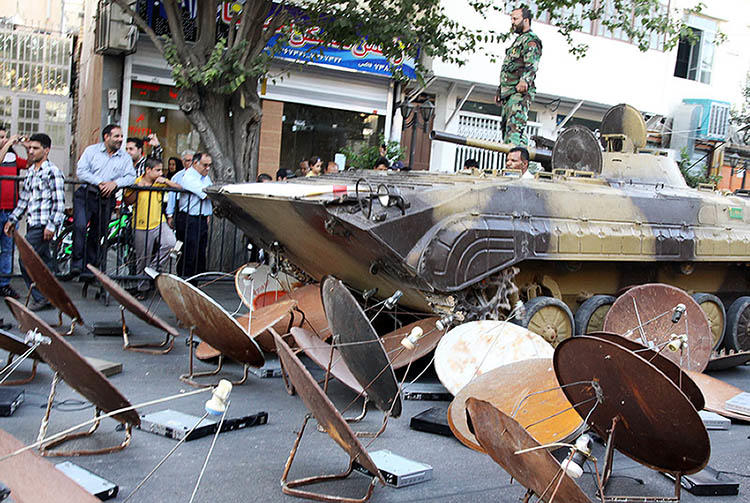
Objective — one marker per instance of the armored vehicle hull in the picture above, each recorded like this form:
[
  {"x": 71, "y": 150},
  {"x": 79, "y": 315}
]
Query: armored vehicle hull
[
  {"x": 562, "y": 241},
  {"x": 571, "y": 236}
]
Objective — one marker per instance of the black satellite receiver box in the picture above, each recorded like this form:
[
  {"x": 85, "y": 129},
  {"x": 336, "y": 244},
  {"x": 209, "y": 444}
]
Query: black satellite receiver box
[
  {"x": 108, "y": 328},
  {"x": 92, "y": 483},
  {"x": 177, "y": 425},
  {"x": 10, "y": 399},
  {"x": 431, "y": 391},
  {"x": 434, "y": 420},
  {"x": 708, "y": 482}
]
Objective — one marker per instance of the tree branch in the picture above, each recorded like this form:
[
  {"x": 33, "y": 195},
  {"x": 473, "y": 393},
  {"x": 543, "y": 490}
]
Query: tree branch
[
  {"x": 259, "y": 37},
  {"x": 206, "y": 29},
  {"x": 253, "y": 17},
  {"x": 174, "y": 18},
  {"x": 138, "y": 20}
]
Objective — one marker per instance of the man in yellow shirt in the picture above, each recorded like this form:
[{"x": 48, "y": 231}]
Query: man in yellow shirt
[{"x": 149, "y": 221}]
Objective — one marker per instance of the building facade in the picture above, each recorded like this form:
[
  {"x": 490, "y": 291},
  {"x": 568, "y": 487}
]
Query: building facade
[
  {"x": 37, "y": 40},
  {"x": 660, "y": 82}
]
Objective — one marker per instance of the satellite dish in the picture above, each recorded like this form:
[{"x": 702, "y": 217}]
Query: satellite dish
[
  {"x": 471, "y": 349},
  {"x": 528, "y": 391},
  {"x": 360, "y": 346},
  {"x": 627, "y": 399},
  {"x": 644, "y": 314},
  {"x": 577, "y": 149},
  {"x": 624, "y": 120}
]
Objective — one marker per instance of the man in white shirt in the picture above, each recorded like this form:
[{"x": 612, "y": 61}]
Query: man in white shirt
[
  {"x": 198, "y": 209},
  {"x": 518, "y": 158}
]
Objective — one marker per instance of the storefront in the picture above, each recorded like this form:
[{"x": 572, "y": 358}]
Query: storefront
[{"x": 309, "y": 110}]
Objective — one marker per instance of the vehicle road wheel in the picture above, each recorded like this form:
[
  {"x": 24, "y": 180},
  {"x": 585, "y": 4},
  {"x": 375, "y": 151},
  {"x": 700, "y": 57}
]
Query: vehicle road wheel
[
  {"x": 590, "y": 316},
  {"x": 737, "y": 333},
  {"x": 549, "y": 317},
  {"x": 713, "y": 307}
]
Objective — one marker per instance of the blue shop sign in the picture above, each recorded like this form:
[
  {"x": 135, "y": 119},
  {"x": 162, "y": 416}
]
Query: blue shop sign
[{"x": 363, "y": 57}]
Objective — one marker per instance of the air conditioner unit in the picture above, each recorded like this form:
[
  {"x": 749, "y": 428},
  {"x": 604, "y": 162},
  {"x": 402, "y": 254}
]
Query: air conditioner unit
[
  {"x": 714, "y": 124},
  {"x": 115, "y": 32}
]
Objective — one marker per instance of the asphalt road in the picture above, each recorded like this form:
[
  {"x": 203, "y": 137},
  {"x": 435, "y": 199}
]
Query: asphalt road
[{"x": 246, "y": 465}]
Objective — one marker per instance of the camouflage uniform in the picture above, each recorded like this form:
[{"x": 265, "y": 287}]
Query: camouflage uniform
[{"x": 521, "y": 62}]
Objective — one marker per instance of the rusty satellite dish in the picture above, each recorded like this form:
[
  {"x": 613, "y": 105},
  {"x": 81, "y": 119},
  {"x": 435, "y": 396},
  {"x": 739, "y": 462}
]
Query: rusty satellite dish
[
  {"x": 133, "y": 305},
  {"x": 32, "y": 478},
  {"x": 320, "y": 352},
  {"x": 80, "y": 375},
  {"x": 211, "y": 322},
  {"x": 45, "y": 281},
  {"x": 14, "y": 345},
  {"x": 717, "y": 392},
  {"x": 654, "y": 305},
  {"x": 360, "y": 347},
  {"x": 330, "y": 420},
  {"x": 470, "y": 349},
  {"x": 667, "y": 367},
  {"x": 399, "y": 356},
  {"x": 267, "y": 316},
  {"x": 263, "y": 317},
  {"x": 204, "y": 351},
  {"x": 516, "y": 389},
  {"x": 501, "y": 437},
  {"x": 310, "y": 303},
  {"x": 644, "y": 414}
]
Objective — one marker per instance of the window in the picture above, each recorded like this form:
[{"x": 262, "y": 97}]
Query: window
[
  {"x": 309, "y": 130},
  {"x": 28, "y": 116},
  {"x": 56, "y": 118},
  {"x": 35, "y": 62},
  {"x": 695, "y": 55},
  {"x": 6, "y": 110},
  {"x": 596, "y": 27}
]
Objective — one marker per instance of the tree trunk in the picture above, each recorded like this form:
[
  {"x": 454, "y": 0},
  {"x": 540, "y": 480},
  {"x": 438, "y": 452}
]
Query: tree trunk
[{"x": 229, "y": 126}]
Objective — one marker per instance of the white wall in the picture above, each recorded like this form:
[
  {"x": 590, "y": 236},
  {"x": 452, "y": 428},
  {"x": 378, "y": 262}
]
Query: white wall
[{"x": 614, "y": 72}]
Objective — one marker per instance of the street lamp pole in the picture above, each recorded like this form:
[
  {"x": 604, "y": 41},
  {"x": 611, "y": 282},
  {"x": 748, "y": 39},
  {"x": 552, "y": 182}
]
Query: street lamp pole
[{"x": 424, "y": 110}]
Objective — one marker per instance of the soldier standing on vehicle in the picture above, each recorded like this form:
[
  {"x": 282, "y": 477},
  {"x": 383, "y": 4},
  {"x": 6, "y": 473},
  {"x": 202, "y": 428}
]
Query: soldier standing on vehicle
[{"x": 517, "y": 88}]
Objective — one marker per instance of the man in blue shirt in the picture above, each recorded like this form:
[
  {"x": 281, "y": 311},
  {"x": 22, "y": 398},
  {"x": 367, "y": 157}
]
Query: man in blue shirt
[
  {"x": 103, "y": 167},
  {"x": 198, "y": 209},
  {"x": 176, "y": 215}
]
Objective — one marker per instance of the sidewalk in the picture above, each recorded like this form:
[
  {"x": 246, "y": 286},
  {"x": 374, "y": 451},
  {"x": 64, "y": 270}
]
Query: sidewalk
[{"x": 246, "y": 465}]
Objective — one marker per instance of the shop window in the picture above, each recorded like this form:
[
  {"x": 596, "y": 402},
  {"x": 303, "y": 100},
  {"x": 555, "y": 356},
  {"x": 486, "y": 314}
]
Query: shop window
[
  {"x": 174, "y": 130},
  {"x": 316, "y": 131}
]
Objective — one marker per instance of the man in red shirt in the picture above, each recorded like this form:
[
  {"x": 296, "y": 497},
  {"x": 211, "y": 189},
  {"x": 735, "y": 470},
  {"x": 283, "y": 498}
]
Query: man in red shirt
[{"x": 10, "y": 164}]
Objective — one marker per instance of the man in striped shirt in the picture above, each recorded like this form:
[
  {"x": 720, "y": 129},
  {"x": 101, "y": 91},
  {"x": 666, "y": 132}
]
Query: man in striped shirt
[
  {"x": 134, "y": 147},
  {"x": 42, "y": 195}
]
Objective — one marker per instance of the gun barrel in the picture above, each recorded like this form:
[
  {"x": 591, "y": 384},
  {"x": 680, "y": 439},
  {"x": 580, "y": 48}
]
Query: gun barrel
[{"x": 535, "y": 154}]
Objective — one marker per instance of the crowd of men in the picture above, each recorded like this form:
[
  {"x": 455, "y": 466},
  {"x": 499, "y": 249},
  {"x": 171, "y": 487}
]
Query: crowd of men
[{"x": 103, "y": 170}]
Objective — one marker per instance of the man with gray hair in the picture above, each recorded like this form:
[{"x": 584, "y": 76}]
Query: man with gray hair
[{"x": 187, "y": 158}]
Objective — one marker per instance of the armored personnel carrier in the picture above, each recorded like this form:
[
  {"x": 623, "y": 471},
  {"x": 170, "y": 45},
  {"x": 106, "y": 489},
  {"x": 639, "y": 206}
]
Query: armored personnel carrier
[{"x": 609, "y": 215}]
